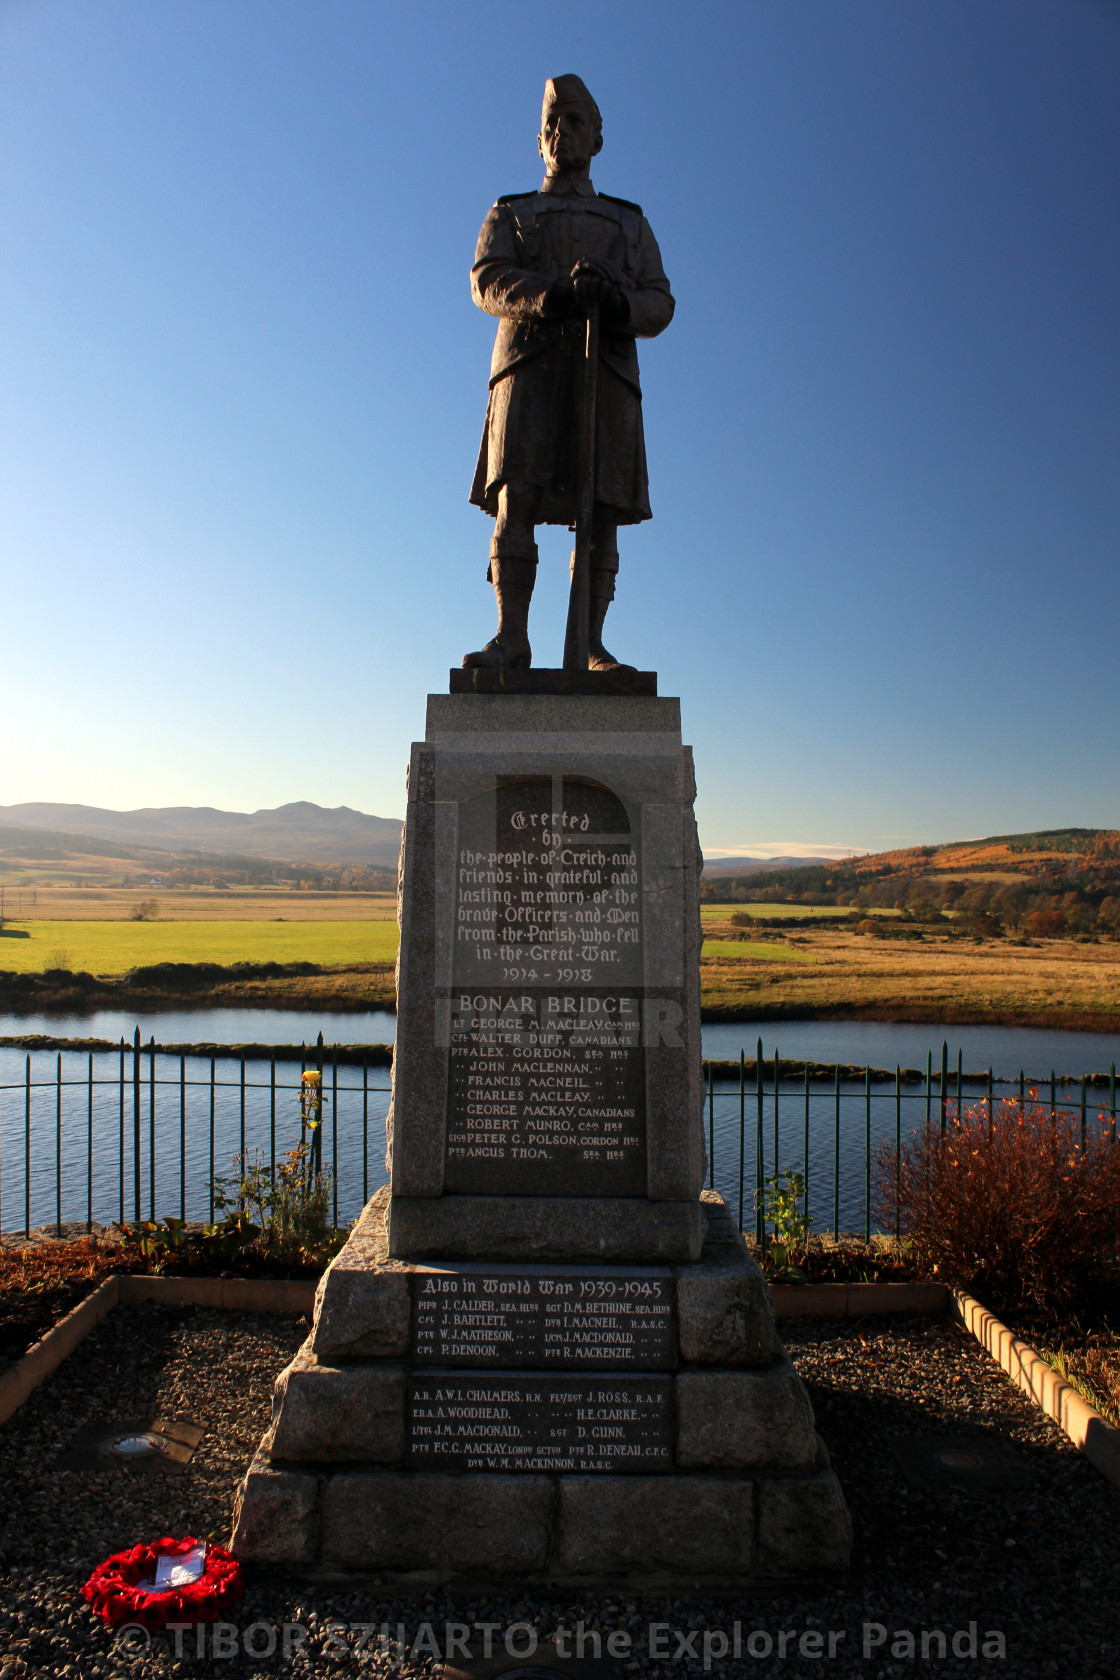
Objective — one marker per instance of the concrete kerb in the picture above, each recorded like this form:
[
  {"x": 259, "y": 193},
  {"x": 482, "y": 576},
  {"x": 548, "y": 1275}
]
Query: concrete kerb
[
  {"x": 230, "y": 1294},
  {"x": 1097, "y": 1439},
  {"x": 60, "y": 1340},
  {"x": 857, "y": 1300}
]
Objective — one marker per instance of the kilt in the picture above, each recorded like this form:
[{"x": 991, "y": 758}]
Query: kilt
[{"x": 532, "y": 435}]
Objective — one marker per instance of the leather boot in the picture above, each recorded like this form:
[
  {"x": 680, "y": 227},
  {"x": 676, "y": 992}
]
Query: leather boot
[
  {"x": 604, "y": 569},
  {"x": 513, "y": 577}
]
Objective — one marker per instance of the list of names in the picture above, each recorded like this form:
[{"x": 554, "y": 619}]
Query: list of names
[
  {"x": 506, "y": 1422},
  {"x": 607, "y": 1319}
]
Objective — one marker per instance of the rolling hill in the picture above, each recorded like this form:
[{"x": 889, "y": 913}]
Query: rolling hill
[
  {"x": 1049, "y": 883},
  {"x": 299, "y": 832},
  {"x": 720, "y": 866}
]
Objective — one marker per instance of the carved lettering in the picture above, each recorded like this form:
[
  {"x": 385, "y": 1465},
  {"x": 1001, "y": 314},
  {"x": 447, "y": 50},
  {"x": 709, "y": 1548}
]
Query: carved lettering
[
  {"x": 556, "y": 1318},
  {"x": 524, "y": 1422},
  {"x": 546, "y": 1074}
]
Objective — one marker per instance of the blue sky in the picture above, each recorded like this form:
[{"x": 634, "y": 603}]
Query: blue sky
[{"x": 244, "y": 385}]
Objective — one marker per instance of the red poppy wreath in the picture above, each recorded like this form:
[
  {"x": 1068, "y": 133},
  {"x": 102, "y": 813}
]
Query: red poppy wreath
[{"x": 122, "y": 1588}]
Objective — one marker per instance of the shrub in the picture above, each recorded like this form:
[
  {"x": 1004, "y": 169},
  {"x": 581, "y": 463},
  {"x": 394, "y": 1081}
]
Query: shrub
[
  {"x": 782, "y": 1199},
  {"x": 982, "y": 926},
  {"x": 1013, "y": 1209},
  {"x": 291, "y": 1202},
  {"x": 278, "y": 1215},
  {"x": 1045, "y": 924}
]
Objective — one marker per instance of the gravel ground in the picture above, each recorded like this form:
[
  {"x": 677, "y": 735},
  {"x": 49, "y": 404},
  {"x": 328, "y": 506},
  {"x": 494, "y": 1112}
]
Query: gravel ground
[{"x": 1038, "y": 1565}]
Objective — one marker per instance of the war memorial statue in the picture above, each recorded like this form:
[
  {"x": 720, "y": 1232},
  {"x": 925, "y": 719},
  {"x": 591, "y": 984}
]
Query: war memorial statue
[
  {"x": 575, "y": 278},
  {"x": 545, "y": 1352}
]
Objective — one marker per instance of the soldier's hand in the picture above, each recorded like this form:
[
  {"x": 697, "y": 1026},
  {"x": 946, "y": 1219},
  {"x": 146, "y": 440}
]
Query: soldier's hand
[
  {"x": 560, "y": 299},
  {"x": 603, "y": 267},
  {"x": 588, "y": 290},
  {"x": 613, "y": 307},
  {"x": 593, "y": 279}
]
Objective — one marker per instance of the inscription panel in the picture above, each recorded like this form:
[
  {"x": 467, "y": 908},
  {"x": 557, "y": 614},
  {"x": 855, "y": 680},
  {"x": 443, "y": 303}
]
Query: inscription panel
[
  {"x": 546, "y": 1071},
  {"x": 546, "y": 1318},
  {"x": 516, "y": 1421}
]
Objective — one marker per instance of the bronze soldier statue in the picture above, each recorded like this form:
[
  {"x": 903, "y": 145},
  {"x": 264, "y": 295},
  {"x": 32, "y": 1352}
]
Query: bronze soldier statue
[{"x": 545, "y": 262}]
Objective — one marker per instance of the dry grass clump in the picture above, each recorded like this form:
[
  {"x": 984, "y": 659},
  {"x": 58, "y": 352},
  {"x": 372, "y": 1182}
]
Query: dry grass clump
[
  {"x": 1089, "y": 1360},
  {"x": 34, "y": 1266},
  {"x": 930, "y": 977}
]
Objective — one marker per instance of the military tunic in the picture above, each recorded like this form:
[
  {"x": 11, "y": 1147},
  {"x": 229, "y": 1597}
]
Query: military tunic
[{"x": 527, "y": 241}]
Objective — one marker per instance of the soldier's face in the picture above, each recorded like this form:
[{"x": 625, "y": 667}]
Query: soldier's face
[{"x": 568, "y": 140}]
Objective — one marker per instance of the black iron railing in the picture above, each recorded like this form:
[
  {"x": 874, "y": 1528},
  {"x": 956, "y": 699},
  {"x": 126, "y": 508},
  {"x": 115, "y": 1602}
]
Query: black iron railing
[
  {"x": 140, "y": 1133},
  {"x": 767, "y": 1118}
]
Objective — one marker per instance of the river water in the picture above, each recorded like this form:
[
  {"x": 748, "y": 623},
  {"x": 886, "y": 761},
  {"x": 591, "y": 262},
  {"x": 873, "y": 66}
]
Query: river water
[
  {"x": 212, "y": 1026},
  {"x": 78, "y": 1134},
  {"x": 888, "y": 1044}
]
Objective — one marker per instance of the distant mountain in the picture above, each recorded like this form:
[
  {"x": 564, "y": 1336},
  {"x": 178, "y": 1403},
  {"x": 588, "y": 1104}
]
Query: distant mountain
[
  {"x": 300, "y": 832},
  {"x": 757, "y": 865}
]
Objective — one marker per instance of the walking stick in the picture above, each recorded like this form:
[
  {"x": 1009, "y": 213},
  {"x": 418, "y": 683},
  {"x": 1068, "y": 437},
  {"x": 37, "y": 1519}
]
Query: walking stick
[{"x": 577, "y": 634}]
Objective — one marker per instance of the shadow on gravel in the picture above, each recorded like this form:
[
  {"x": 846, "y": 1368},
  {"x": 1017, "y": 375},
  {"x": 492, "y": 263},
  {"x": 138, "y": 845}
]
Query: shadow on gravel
[
  {"x": 1038, "y": 1567},
  {"x": 873, "y": 1381}
]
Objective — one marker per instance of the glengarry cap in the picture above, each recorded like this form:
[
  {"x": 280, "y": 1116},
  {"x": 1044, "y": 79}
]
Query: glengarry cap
[{"x": 568, "y": 90}]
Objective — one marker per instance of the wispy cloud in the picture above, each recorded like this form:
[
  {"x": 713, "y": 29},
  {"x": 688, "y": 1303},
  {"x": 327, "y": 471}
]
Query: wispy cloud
[{"x": 783, "y": 848}]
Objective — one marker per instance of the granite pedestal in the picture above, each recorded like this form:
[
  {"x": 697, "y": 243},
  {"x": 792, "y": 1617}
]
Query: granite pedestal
[
  {"x": 549, "y": 963},
  {"x": 545, "y": 1351},
  {"x": 731, "y": 1480}
]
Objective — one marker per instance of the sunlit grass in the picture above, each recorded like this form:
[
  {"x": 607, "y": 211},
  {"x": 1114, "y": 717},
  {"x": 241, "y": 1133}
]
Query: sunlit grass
[
  {"x": 835, "y": 971},
  {"x": 115, "y": 947},
  {"x": 741, "y": 949},
  {"x": 190, "y": 904},
  {"x": 1055, "y": 983}
]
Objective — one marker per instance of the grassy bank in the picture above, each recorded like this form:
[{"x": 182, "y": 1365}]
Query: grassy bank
[
  {"x": 206, "y": 985},
  {"x": 193, "y": 904},
  {"x": 739, "y": 950},
  {"x": 115, "y": 947}
]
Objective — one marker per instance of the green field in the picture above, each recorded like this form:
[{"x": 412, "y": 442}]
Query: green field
[
  {"x": 740, "y": 949},
  {"x": 116, "y": 947}
]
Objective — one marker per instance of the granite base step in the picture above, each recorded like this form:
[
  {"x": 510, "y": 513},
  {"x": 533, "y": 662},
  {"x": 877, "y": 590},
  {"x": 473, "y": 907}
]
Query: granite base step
[
  {"x": 696, "y": 1529},
  {"x": 743, "y": 1490},
  {"x": 543, "y": 1228},
  {"x": 724, "y": 1311}
]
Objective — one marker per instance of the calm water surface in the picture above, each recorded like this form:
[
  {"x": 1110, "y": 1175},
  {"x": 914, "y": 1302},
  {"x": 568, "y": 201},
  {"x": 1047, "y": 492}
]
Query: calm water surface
[
  {"x": 212, "y": 1026},
  {"x": 887, "y": 1044},
  {"x": 881, "y": 1044},
  {"x": 83, "y": 1135}
]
